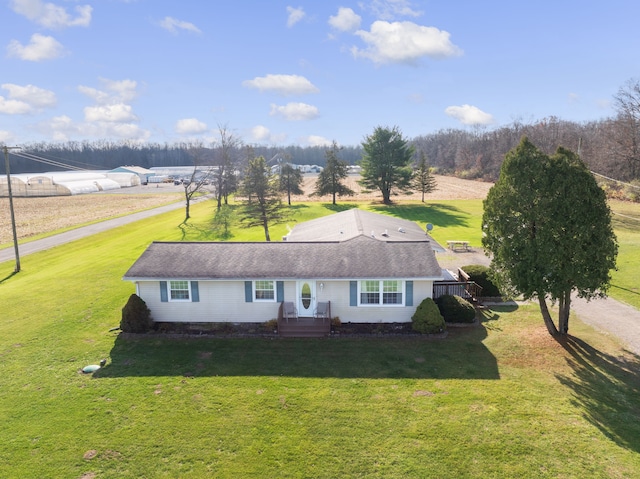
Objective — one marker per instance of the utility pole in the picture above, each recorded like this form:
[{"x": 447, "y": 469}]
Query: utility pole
[{"x": 13, "y": 216}]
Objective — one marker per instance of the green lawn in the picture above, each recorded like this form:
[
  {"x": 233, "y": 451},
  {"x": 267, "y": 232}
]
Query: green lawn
[{"x": 500, "y": 400}]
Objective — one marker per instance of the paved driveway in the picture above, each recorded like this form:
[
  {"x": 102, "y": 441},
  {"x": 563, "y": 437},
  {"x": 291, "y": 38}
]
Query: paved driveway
[{"x": 606, "y": 315}]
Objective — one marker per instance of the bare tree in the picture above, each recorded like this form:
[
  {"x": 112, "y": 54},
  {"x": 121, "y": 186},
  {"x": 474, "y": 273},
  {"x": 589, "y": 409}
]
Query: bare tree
[
  {"x": 627, "y": 132},
  {"x": 226, "y": 164},
  {"x": 200, "y": 177}
]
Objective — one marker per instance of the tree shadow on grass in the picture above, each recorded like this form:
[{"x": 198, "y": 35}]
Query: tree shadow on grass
[
  {"x": 337, "y": 208},
  {"x": 607, "y": 389},
  {"x": 439, "y": 214},
  {"x": 462, "y": 355}
]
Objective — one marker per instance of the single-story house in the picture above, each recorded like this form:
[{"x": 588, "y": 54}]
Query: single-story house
[{"x": 372, "y": 268}]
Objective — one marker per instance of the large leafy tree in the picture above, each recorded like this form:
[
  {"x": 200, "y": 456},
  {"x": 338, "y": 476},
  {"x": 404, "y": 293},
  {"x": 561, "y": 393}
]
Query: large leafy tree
[
  {"x": 422, "y": 179},
  {"x": 290, "y": 181},
  {"x": 330, "y": 179},
  {"x": 548, "y": 228},
  {"x": 386, "y": 162},
  {"x": 262, "y": 205}
]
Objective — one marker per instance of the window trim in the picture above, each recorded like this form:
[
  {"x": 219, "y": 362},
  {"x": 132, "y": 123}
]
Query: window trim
[
  {"x": 273, "y": 290},
  {"x": 171, "y": 289},
  {"x": 401, "y": 290}
]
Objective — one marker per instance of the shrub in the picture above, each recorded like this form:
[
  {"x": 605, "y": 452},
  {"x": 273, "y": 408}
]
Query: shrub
[
  {"x": 427, "y": 318},
  {"x": 270, "y": 326},
  {"x": 481, "y": 276},
  {"x": 136, "y": 317},
  {"x": 456, "y": 309}
]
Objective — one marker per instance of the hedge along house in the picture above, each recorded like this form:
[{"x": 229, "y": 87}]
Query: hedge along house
[{"x": 366, "y": 277}]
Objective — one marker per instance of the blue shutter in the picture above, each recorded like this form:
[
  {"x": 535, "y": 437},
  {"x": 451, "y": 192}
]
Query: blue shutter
[
  {"x": 195, "y": 293},
  {"x": 408, "y": 301},
  {"x": 353, "y": 293},
  {"x": 248, "y": 292},
  {"x": 164, "y": 297},
  {"x": 279, "y": 291}
]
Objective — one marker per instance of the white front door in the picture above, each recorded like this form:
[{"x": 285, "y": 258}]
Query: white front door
[{"x": 306, "y": 297}]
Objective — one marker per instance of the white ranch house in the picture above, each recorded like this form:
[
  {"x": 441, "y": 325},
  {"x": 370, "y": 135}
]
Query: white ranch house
[{"x": 372, "y": 268}]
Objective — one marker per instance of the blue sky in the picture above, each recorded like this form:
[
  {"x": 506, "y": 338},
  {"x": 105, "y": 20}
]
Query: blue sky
[{"x": 305, "y": 72}]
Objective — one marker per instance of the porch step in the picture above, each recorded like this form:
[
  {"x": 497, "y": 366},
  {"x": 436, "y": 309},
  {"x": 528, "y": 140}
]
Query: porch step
[{"x": 304, "y": 328}]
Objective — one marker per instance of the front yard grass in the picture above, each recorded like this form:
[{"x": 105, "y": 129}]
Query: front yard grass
[{"x": 500, "y": 400}]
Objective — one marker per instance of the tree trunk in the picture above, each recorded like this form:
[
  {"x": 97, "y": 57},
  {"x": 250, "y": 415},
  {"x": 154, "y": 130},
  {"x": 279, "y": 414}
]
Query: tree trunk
[
  {"x": 548, "y": 321},
  {"x": 265, "y": 225},
  {"x": 187, "y": 204},
  {"x": 565, "y": 309}
]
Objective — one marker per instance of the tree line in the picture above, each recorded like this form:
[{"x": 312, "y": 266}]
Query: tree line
[{"x": 609, "y": 146}]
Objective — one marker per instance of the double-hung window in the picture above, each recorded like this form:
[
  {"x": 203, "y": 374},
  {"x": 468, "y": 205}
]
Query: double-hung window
[
  {"x": 264, "y": 290},
  {"x": 381, "y": 292},
  {"x": 179, "y": 291}
]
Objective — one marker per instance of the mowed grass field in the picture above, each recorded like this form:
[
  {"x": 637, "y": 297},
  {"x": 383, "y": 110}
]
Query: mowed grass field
[{"x": 499, "y": 400}]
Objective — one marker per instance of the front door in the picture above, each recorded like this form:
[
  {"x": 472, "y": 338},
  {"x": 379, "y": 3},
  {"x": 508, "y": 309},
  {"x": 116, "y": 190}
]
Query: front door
[{"x": 306, "y": 298}]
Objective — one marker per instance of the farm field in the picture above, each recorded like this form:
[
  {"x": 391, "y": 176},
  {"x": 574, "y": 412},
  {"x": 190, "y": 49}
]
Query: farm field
[
  {"x": 499, "y": 400},
  {"x": 36, "y": 216}
]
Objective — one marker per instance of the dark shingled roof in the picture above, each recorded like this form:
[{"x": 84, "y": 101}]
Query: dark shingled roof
[{"x": 359, "y": 257}]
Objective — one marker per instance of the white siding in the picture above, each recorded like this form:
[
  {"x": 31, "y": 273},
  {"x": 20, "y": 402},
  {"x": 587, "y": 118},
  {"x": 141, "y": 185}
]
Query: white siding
[{"x": 224, "y": 301}]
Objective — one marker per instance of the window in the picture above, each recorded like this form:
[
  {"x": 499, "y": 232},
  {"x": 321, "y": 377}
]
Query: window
[
  {"x": 264, "y": 290},
  {"x": 386, "y": 292},
  {"x": 370, "y": 292},
  {"x": 392, "y": 292},
  {"x": 179, "y": 291}
]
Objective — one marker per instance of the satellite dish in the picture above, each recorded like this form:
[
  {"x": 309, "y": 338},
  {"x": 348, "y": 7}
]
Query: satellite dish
[{"x": 429, "y": 226}]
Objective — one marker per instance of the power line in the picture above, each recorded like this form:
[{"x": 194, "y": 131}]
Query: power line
[{"x": 617, "y": 181}]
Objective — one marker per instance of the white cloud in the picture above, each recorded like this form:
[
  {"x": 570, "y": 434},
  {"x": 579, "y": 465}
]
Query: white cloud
[
  {"x": 40, "y": 47},
  {"x": 173, "y": 25},
  {"x": 117, "y": 113},
  {"x": 294, "y": 15},
  {"x": 346, "y": 20},
  {"x": 404, "y": 42},
  {"x": 190, "y": 126},
  {"x": 469, "y": 115},
  {"x": 282, "y": 84},
  {"x": 574, "y": 98},
  {"x": 262, "y": 134},
  {"x": 6, "y": 136},
  {"x": 63, "y": 128},
  {"x": 117, "y": 91},
  {"x": 390, "y": 9},
  {"x": 14, "y": 107},
  {"x": 32, "y": 95},
  {"x": 315, "y": 140},
  {"x": 294, "y": 111},
  {"x": 52, "y": 16}
]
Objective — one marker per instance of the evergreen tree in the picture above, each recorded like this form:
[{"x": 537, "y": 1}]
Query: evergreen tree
[
  {"x": 548, "y": 228},
  {"x": 329, "y": 180},
  {"x": 290, "y": 181},
  {"x": 422, "y": 179},
  {"x": 262, "y": 205},
  {"x": 386, "y": 162}
]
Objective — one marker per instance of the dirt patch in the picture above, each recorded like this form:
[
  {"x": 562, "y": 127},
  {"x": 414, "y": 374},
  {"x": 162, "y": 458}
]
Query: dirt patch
[{"x": 448, "y": 188}]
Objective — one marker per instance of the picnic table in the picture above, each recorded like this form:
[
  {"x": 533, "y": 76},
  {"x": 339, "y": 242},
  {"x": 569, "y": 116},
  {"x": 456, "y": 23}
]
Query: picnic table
[{"x": 456, "y": 245}]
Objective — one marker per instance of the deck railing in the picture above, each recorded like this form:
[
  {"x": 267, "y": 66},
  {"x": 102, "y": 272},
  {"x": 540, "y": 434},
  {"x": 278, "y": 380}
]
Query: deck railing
[{"x": 468, "y": 290}]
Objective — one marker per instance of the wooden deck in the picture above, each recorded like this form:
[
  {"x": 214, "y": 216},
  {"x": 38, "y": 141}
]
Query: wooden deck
[{"x": 304, "y": 328}]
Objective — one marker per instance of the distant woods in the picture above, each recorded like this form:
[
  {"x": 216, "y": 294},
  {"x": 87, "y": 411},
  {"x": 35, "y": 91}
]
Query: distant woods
[{"x": 610, "y": 147}]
